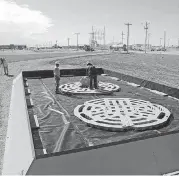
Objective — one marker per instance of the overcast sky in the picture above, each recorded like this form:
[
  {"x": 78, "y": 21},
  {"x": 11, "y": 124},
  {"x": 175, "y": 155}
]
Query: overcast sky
[{"x": 42, "y": 21}]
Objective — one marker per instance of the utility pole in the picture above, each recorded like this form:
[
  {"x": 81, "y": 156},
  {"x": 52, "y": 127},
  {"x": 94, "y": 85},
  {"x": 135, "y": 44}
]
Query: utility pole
[
  {"x": 178, "y": 42},
  {"x": 148, "y": 39},
  {"x": 50, "y": 44},
  {"x": 161, "y": 41},
  {"x": 164, "y": 39},
  {"x": 56, "y": 46},
  {"x": 146, "y": 31},
  {"x": 168, "y": 42},
  {"x": 122, "y": 37},
  {"x": 68, "y": 42},
  {"x": 91, "y": 38},
  {"x": 128, "y": 24},
  {"x": 104, "y": 36},
  {"x": 77, "y": 39}
]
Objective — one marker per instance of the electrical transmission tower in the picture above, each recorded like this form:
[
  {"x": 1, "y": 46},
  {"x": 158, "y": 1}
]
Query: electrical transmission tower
[
  {"x": 122, "y": 37},
  {"x": 97, "y": 36},
  {"x": 77, "y": 39},
  {"x": 128, "y": 24},
  {"x": 146, "y": 33}
]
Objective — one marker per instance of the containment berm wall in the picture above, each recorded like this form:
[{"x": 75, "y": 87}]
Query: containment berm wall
[{"x": 156, "y": 156}]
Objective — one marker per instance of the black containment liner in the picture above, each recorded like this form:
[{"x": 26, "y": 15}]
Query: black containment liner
[
  {"x": 38, "y": 73},
  {"x": 63, "y": 73},
  {"x": 34, "y": 129},
  {"x": 80, "y": 72},
  {"x": 174, "y": 92}
]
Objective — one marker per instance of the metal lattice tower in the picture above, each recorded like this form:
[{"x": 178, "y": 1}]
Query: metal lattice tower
[{"x": 97, "y": 37}]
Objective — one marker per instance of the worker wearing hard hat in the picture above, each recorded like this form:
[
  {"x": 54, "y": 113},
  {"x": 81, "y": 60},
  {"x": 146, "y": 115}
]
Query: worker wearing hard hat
[{"x": 57, "y": 76}]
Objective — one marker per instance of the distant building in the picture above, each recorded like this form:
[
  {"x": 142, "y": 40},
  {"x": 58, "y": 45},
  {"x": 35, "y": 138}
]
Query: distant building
[
  {"x": 140, "y": 46},
  {"x": 117, "y": 46},
  {"x": 12, "y": 46}
]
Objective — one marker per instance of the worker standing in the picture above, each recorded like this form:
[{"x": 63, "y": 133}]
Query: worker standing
[
  {"x": 1, "y": 63},
  {"x": 57, "y": 76},
  {"x": 5, "y": 65},
  {"x": 91, "y": 72}
]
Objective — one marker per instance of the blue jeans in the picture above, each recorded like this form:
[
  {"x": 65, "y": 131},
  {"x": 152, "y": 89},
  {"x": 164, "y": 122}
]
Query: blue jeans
[
  {"x": 57, "y": 81},
  {"x": 93, "y": 82}
]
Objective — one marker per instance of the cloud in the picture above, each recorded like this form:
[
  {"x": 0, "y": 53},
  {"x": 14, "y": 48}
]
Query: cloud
[{"x": 22, "y": 20}]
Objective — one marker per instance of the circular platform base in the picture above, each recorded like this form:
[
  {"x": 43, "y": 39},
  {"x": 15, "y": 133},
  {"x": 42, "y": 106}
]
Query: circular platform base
[
  {"x": 118, "y": 114},
  {"x": 75, "y": 88}
]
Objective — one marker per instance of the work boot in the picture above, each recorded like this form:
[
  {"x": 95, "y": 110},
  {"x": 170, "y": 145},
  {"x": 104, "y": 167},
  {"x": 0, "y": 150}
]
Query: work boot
[{"x": 57, "y": 91}]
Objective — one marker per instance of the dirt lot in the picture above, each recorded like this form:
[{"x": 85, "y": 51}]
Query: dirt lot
[
  {"x": 156, "y": 67},
  {"x": 16, "y": 56}
]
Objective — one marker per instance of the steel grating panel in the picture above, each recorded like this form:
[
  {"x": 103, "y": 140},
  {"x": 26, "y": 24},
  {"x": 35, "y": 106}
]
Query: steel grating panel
[
  {"x": 76, "y": 88},
  {"x": 122, "y": 113}
]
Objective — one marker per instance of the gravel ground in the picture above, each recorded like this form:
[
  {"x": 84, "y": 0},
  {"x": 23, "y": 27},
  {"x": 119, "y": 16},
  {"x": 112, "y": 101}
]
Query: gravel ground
[
  {"x": 158, "y": 68},
  {"x": 22, "y": 56}
]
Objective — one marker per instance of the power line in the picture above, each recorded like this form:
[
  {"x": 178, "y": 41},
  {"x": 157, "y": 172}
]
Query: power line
[
  {"x": 161, "y": 41},
  {"x": 128, "y": 24},
  {"x": 146, "y": 31}
]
